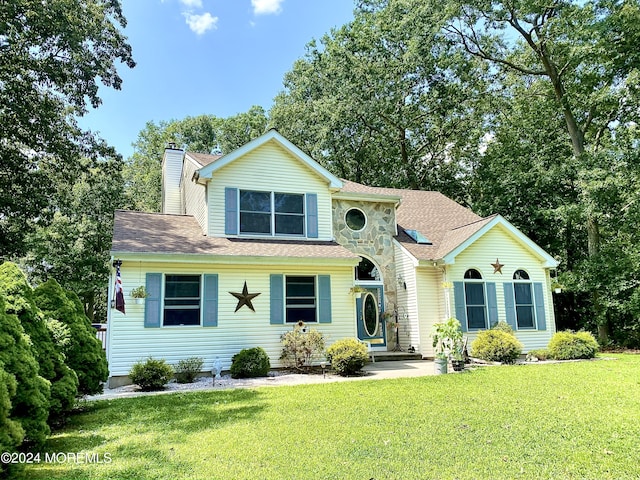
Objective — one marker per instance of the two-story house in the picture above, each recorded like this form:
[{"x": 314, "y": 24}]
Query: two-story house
[{"x": 250, "y": 243}]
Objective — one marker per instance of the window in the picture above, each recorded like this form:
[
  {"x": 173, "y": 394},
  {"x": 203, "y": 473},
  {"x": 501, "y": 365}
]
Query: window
[
  {"x": 356, "y": 219},
  {"x": 262, "y": 213},
  {"x": 475, "y": 300},
  {"x": 366, "y": 270},
  {"x": 525, "y": 316},
  {"x": 300, "y": 299},
  {"x": 181, "y": 300}
]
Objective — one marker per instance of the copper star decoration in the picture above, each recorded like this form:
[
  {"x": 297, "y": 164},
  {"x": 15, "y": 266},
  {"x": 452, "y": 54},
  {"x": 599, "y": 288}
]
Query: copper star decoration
[
  {"x": 497, "y": 267},
  {"x": 244, "y": 298}
]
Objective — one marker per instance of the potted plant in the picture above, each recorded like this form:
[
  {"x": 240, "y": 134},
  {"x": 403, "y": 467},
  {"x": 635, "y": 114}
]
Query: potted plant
[
  {"x": 447, "y": 343},
  {"x": 139, "y": 294},
  {"x": 357, "y": 290}
]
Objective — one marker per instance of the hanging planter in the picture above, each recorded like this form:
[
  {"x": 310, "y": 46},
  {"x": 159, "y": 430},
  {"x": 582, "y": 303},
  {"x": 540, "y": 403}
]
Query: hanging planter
[
  {"x": 357, "y": 291},
  {"x": 139, "y": 294}
]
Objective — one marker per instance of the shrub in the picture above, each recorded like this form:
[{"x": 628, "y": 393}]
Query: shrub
[
  {"x": 187, "y": 369},
  {"x": 569, "y": 345},
  {"x": 541, "y": 354},
  {"x": 11, "y": 433},
  {"x": 496, "y": 346},
  {"x": 347, "y": 356},
  {"x": 21, "y": 301},
  {"x": 300, "y": 347},
  {"x": 503, "y": 326},
  {"x": 250, "y": 363},
  {"x": 151, "y": 375},
  {"x": 84, "y": 353}
]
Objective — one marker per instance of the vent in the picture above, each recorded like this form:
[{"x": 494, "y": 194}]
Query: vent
[{"x": 418, "y": 237}]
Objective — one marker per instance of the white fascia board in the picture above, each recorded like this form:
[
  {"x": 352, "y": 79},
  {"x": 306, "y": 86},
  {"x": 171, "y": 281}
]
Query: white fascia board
[
  {"x": 271, "y": 135},
  {"x": 367, "y": 197},
  {"x": 234, "y": 260},
  {"x": 548, "y": 260},
  {"x": 407, "y": 253}
]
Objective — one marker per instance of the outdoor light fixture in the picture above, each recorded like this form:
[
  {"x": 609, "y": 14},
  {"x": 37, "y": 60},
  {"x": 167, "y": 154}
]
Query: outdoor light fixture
[{"x": 323, "y": 364}]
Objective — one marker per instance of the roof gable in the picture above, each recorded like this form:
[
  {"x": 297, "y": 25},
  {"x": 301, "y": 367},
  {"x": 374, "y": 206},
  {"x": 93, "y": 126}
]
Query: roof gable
[{"x": 207, "y": 171}]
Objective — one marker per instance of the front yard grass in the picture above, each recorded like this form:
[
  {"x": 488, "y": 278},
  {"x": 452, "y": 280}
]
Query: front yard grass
[{"x": 560, "y": 421}]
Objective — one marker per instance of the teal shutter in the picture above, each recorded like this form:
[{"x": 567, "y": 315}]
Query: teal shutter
[
  {"x": 210, "y": 301},
  {"x": 324, "y": 299},
  {"x": 277, "y": 299},
  {"x": 538, "y": 295},
  {"x": 492, "y": 303},
  {"x": 153, "y": 302},
  {"x": 312, "y": 215},
  {"x": 460, "y": 307},
  {"x": 231, "y": 211},
  {"x": 510, "y": 305}
]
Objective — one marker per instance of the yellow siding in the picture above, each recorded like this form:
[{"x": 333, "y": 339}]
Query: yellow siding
[
  {"x": 193, "y": 195},
  {"x": 499, "y": 244},
  {"x": 171, "y": 169},
  {"x": 130, "y": 341},
  {"x": 431, "y": 305},
  {"x": 408, "y": 315},
  {"x": 269, "y": 168}
]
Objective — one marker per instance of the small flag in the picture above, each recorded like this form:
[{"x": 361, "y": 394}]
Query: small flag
[{"x": 119, "y": 292}]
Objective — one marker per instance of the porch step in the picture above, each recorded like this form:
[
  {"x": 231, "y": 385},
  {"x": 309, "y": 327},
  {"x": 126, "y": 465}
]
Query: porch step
[{"x": 395, "y": 356}]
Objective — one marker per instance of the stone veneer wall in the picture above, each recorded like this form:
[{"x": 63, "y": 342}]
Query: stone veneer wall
[{"x": 374, "y": 241}]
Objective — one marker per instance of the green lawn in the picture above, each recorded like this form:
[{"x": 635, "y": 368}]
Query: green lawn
[{"x": 561, "y": 421}]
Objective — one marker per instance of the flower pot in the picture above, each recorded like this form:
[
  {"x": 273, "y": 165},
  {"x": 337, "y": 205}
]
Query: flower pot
[
  {"x": 440, "y": 365},
  {"x": 458, "y": 365},
  {"x": 139, "y": 301}
]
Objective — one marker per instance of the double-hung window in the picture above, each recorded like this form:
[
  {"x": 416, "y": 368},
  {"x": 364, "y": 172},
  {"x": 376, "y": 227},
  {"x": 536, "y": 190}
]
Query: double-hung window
[
  {"x": 525, "y": 316},
  {"x": 182, "y": 300},
  {"x": 272, "y": 213},
  {"x": 475, "y": 300},
  {"x": 300, "y": 296}
]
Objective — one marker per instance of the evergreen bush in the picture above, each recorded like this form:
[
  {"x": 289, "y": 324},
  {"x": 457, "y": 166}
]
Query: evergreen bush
[
  {"x": 151, "y": 374},
  {"x": 496, "y": 346},
  {"x": 250, "y": 363},
  {"x": 503, "y": 327},
  {"x": 568, "y": 345},
  {"x": 187, "y": 369},
  {"x": 30, "y": 403},
  {"x": 347, "y": 356},
  {"x": 21, "y": 301},
  {"x": 300, "y": 346},
  {"x": 84, "y": 353},
  {"x": 11, "y": 433}
]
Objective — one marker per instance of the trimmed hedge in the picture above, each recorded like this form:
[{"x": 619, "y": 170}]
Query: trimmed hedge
[
  {"x": 250, "y": 363},
  {"x": 347, "y": 356},
  {"x": 496, "y": 346},
  {"x": 569, "y": 345},
  {"x": 151, "y": 374}
]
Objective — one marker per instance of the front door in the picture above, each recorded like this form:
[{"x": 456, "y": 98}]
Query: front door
[{"x": 369, "y": 309}]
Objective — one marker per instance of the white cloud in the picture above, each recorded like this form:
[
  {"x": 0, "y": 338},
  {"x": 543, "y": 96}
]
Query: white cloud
[
  {"x": 266, "y": 7},
  {"x": 199, "y": 24},
  {"x": 192, "y": 3}
]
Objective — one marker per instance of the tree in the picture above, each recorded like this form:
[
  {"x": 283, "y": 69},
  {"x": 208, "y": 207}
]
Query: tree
[
  {"x": 11, "y": 433},
  {"x": 84, "y": 354},
  {"x": 51, "y": 57},
  {"x": 385, "y": 100},
  {"x": 20, "y": 301},
  {"x": 583, "y": 51},
  {"x": 74, "y": 247}
]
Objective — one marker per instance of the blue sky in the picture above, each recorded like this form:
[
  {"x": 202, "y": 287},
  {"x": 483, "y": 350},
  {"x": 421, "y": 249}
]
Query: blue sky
[{"x": 215, "y": 57}]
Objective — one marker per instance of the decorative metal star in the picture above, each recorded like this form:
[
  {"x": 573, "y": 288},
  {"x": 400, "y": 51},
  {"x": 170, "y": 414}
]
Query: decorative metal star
[
  {"x": 497, "y": 267},
  {"x": 244, "y": 298}
]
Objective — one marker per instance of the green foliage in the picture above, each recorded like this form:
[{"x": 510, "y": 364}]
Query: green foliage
[
  {"x": 187, "y": 369},
  {"x": 53, "y": 58},
  {"x": 541, "y": 354},
  {"x": 300, "y": 347},
  {"x": 21, "y": 302},
  {"x": 503, "y": 327},
  {"x": 250, "y": 363},
  {"x": 11, "y": 433},
  {"x": 30, "y": 403},
  {"x": 569, "y": 345},
  {"x": 447, "y": 339},
  {"x": 347, "y": 356},
  {"x": 151, "y": 374},
  {"x": 496, "y": 346},
  {"x": 84, "y": 353}
]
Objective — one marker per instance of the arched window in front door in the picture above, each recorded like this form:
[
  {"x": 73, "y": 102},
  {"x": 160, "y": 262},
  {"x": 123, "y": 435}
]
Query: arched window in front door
[{"x": 367, "y": 271}]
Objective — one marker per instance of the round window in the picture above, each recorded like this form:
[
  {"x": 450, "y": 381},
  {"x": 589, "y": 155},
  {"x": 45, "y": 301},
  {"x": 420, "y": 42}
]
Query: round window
[
  {"x": 370, "y": 314},
  {"x": 356, "y": 219}
]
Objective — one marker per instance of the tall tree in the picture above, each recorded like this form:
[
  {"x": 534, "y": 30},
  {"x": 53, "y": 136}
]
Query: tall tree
[
  {"x": 584, "y": 51},
  {"x": 53, "y": 56},
  {"x": 385, "y": 100}
]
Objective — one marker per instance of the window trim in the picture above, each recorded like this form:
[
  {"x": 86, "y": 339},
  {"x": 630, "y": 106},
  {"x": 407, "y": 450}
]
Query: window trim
[
  {"x": 316, "y": 298},
  {"x": 163, "y": 293},
  {"x": 273, "y": 214},
  {"x": 532, "y": 305},
  {"x": 346, "y": 222}
]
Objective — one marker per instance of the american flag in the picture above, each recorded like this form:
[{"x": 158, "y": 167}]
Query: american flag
[{"x": 119, "y": 292}]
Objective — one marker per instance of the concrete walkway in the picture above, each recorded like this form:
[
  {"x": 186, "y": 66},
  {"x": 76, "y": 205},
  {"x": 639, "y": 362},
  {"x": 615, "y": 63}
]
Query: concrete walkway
[{"x": 372, "y": 371}]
